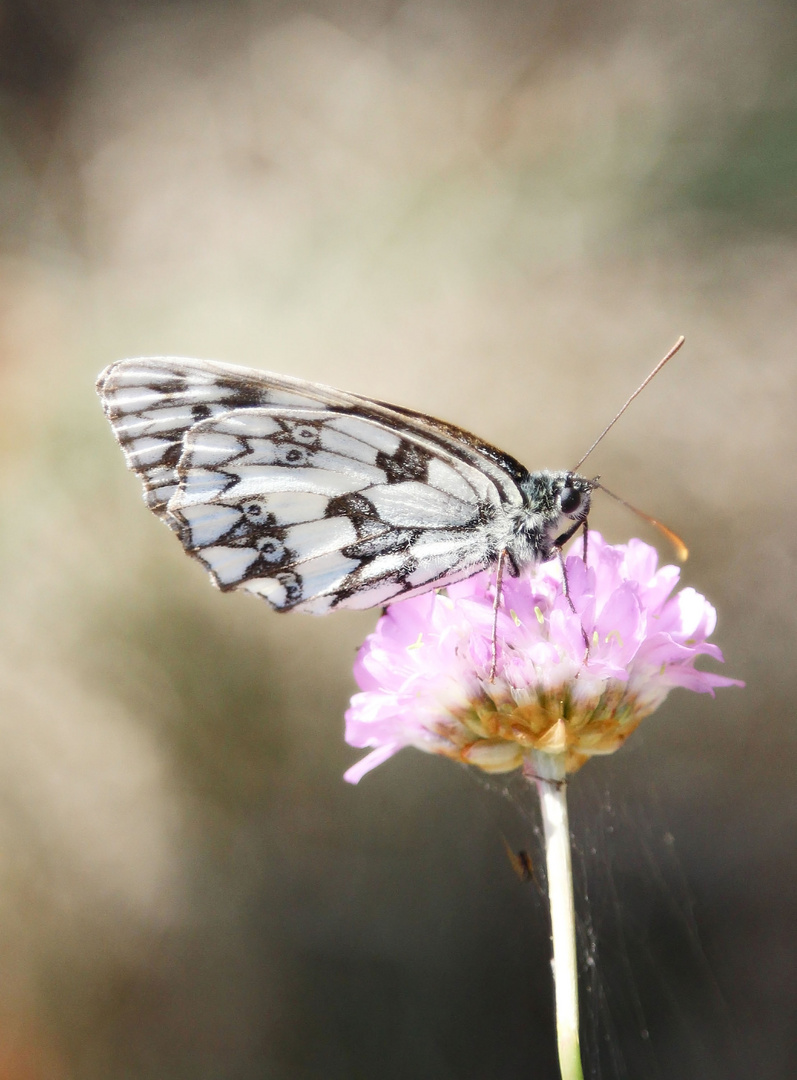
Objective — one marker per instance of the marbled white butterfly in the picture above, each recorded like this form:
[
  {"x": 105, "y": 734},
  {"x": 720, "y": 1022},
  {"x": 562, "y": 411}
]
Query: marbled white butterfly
[{"x": 316, "y": 499}]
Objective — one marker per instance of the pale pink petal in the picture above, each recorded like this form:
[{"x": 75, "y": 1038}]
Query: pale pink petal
[{"x": 425, "y": 672}]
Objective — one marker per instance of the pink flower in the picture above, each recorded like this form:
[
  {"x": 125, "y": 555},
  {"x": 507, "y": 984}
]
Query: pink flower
[{"x": 424, "y": 673}]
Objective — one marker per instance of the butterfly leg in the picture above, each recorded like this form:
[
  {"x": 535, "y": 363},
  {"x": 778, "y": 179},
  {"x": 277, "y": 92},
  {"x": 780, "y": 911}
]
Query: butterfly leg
[
  {"x": 566, "y": 591},
  {"x": 584, "y": 557},
  {"x": 565, "y": 587},
  {"x": 499, "y": 574}
]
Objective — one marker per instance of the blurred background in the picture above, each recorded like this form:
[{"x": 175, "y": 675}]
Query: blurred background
[{"x": 503, "y": 214}]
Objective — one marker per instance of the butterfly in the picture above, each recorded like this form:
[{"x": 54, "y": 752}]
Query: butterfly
[{"x": 316, "y": 499}]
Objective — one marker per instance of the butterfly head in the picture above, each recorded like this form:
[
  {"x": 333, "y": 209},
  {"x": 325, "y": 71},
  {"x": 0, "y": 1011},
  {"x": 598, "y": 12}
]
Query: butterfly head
[
  {"x": 556, "y": 504},
  {"x": 573, "y": 495}
]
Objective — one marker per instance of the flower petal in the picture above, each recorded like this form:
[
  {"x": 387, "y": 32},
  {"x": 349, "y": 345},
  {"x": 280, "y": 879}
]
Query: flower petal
[{"x": 426, "y": 677}]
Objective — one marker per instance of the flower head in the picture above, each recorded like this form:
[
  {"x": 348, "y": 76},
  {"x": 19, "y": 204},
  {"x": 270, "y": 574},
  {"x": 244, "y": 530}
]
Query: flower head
[{"x": 425, "y": 679}]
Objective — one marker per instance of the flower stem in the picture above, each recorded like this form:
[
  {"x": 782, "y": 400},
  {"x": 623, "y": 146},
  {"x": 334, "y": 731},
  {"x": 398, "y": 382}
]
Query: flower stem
[{"x": 550, "y": 777}]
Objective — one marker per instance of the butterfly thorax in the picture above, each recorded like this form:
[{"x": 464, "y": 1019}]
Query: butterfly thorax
[{"x": 555, "y": 505}]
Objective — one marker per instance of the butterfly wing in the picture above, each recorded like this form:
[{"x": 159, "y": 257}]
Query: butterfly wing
[
  {"x": 315, "y": 508},
  {"x": 152, "y": 402},
  {"x": 305, "y": 495}
]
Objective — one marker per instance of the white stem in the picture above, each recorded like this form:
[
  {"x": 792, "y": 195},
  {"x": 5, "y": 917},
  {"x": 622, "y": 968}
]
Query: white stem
[{"x": 550, "y": 777}]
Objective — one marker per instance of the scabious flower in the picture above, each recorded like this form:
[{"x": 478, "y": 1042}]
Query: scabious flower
[{"x": 425, "y": 671}]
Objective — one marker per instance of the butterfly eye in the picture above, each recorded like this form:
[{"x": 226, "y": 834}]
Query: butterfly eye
[{"x": 569, "y": 499}]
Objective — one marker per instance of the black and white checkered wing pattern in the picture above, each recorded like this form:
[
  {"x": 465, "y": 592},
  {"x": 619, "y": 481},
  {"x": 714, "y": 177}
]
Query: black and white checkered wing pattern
[
  {"x": 151, "y": 403},
  {"x": 313, "y": 509},
  {"x": 304, "y": 495}
]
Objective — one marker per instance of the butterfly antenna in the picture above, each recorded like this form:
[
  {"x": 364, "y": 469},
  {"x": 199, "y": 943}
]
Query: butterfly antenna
[
  {"x": 636, "y": 393},
  {"x": 681, "y": 550}
]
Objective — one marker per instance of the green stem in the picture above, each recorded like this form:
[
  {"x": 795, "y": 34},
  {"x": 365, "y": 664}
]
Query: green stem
[{"x": 551, "y": 780}]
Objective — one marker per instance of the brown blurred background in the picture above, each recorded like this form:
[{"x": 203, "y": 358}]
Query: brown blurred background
[{"x": 501, "y": 213}]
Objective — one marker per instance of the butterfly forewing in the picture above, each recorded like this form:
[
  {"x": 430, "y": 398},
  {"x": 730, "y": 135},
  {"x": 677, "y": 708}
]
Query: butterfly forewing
[
  {"x": 151, "y": 404},
  {"x": 305, "y": 495}
]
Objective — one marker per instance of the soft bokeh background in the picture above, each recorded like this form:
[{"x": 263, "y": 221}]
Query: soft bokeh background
[{"x": 501, "y": 213}]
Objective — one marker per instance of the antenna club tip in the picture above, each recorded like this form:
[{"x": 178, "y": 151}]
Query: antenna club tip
[{"x": 681, "y": 550}]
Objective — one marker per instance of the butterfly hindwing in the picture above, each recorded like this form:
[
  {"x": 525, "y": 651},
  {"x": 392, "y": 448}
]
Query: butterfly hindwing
[{"x": 315, "y": 508}]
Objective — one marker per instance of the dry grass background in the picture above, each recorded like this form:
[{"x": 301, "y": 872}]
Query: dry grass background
[{"x": 500, "y": 213}]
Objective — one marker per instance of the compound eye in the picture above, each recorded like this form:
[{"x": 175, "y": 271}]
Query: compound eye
[{"x": 569, "y": 499}]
